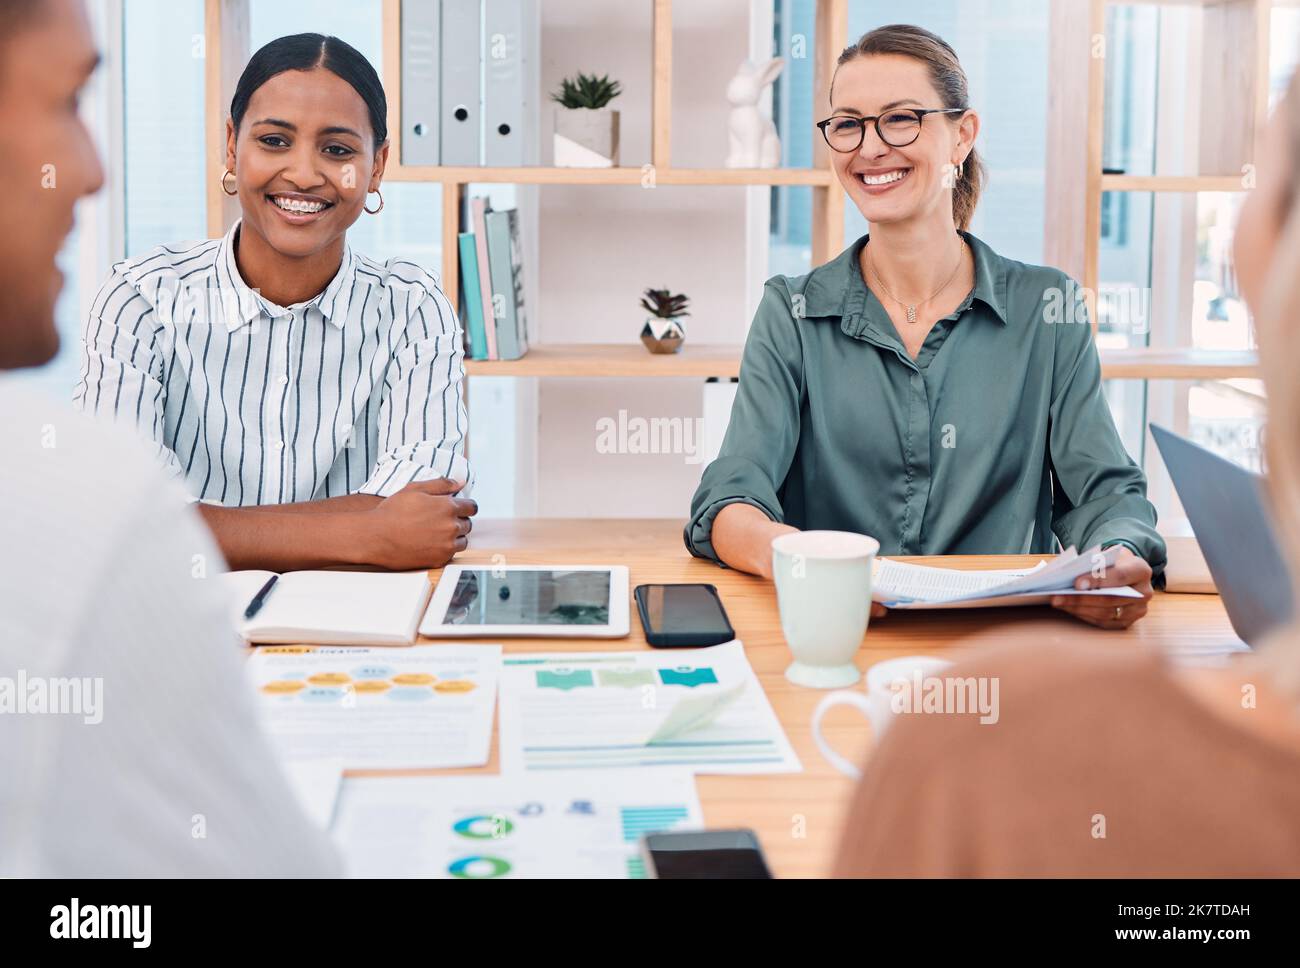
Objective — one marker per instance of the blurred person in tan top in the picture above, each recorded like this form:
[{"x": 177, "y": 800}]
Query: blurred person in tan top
[{"x": 1103, "y": 761}]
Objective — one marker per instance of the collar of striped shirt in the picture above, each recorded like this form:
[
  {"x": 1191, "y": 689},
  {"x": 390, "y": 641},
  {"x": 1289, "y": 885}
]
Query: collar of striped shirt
[{"x": 247, "y": 305}]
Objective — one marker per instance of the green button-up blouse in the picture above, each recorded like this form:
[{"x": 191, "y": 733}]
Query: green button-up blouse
[{"x": 995, "y": 439}]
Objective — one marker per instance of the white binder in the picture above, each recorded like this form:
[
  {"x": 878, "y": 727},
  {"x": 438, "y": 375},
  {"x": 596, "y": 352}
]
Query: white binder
[
  {"x": 461, "y": 94},
  {"x": 505, "y": 96},
  {"x": 421, "y": 51}
]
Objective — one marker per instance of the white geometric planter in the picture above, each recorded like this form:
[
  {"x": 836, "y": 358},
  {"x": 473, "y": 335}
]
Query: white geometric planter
[
  {"x": 586, "y": 138},
  {"x": 661, "y": 335}
]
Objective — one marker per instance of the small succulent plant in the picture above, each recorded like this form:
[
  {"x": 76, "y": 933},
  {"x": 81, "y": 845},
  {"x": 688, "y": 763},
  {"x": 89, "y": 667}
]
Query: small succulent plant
[
  {"x": 587, "y": 91},
  {"x": 665, "y": 304}
]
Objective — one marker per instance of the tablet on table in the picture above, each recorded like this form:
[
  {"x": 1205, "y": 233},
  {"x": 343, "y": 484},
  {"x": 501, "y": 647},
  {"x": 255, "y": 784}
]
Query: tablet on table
[{"x": 569, "y": 601}]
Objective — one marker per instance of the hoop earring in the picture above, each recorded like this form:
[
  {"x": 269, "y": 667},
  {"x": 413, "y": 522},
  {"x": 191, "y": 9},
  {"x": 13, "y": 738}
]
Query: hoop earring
[
  {"x": 228, "y": 171},
  {"x": 375, "y": 211},
  {"x": 961, "y": 168}
]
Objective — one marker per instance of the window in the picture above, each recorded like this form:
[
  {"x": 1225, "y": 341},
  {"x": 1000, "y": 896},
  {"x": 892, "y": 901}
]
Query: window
[
  {"x": 1003, "y": 48},
  {"x": 790, "y": 250},
  {"x": 1171, "y": 252},
  {"x": 1002, "y": 44},
  {"x": 1284, "y": 48},
  {"x": 164, "y": 137}
]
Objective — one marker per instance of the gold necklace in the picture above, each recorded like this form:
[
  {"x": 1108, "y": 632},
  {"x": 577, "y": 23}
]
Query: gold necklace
[{"x": 911, "y": 309}]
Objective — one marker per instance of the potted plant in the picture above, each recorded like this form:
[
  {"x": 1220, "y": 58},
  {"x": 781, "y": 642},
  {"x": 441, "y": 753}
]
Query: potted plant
[
  {"x": 663, "y": 332},
  {"x": 586, "y": 129}
]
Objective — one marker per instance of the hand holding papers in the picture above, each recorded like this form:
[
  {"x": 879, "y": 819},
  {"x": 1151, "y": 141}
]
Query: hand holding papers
[{"x": 899, "y": 585}]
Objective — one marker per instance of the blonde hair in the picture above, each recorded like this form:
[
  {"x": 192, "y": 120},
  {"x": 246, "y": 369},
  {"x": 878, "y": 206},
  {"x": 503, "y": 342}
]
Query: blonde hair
[
  {"x": 1273, "y": 318},
  {"x": 948, "y": 78}
]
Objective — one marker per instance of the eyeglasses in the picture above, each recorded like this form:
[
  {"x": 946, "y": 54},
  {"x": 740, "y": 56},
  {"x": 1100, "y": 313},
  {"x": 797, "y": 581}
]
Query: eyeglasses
[{"x": 896, "y": 128}]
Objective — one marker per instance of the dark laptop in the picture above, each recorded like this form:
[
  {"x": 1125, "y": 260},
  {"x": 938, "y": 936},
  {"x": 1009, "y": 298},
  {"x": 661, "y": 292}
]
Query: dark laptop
[{"x": 1227, "y": 507}]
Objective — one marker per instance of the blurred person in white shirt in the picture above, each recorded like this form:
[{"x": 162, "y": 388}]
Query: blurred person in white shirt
[{"x": 129, "y": 742}]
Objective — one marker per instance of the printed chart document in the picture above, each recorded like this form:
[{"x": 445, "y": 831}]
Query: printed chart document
[
  {"x": 901, "y": 585},
  {"x": 532, "y": 825},
  {"x": 425, "y": 707},
  {"x": 702, "y": 709}
]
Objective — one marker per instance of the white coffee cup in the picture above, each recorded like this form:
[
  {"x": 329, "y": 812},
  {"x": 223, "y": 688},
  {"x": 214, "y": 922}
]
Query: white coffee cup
[
  {"x": 876, "y": 703},
  {"x": 823, "y": 590}
]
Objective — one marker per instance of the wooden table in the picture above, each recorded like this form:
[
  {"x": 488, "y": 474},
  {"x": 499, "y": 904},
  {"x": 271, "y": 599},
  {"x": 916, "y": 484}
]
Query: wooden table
[{"x": 797, "y": 816}]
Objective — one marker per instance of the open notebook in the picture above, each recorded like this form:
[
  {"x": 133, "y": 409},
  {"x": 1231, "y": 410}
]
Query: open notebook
[{"x": 331, "y": 607}]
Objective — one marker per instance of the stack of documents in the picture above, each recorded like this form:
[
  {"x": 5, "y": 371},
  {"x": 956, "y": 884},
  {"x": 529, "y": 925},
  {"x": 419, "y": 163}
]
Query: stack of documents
[{"x": 899, "y": 585}]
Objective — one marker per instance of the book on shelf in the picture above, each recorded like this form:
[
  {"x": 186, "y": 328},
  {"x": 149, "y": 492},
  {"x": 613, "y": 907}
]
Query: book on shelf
[
  {"x": 505, "y": 255},
  {"x": 492, "y": 285},
  {"x": 471, "y": 298},
  {"x": 478, "y": 226}
]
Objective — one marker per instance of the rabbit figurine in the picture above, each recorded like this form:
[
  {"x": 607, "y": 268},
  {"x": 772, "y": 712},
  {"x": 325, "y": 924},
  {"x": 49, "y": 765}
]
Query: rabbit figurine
[{"x": 754, "y": 141}]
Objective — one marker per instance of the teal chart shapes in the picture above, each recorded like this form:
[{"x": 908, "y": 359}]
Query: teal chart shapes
[
  {"x": 563, "y": 679},
  {"x": 483, "y": 827},
  {"x": 649, "y": 820},
  {"x": 688, "y": 676},
  {"x": 478, "y": 868},
  {"x": 626, "y": 678}
]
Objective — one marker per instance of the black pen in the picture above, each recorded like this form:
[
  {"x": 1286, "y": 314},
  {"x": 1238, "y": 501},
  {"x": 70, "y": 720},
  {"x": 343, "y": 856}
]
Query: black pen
[{"x": 259, "y": 599}]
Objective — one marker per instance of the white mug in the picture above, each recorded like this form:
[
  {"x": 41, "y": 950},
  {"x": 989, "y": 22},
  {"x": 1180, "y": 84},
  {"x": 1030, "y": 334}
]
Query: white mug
[
  {"x": 823, "y": 590},
  {"x": 876, "y": 703}
]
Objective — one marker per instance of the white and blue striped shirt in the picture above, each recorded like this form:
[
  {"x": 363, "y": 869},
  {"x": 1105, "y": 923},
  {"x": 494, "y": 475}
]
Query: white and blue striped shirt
[{"x": 356, "y": 390}]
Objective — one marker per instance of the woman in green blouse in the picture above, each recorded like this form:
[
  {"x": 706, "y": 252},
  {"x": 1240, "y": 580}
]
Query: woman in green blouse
[{"x": 919, "y": 387}]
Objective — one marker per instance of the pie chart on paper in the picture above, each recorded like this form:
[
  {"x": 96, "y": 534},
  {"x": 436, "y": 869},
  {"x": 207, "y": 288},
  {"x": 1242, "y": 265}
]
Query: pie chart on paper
[
  {"x": 479, "y": 868},
  {"x": 483, "y": 827}
]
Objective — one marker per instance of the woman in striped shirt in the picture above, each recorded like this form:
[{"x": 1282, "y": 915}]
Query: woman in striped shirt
[{"x": 309, "y": 397}]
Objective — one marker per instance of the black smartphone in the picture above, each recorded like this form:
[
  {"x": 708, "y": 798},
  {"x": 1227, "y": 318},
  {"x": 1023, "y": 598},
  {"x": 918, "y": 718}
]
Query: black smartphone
[
  {"x": 675, "y": 616},
  {"x": 704, "y": 854}
]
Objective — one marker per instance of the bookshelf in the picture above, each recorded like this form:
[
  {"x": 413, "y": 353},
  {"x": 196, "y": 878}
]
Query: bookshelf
[
  {"x": 721, "y": 360},
  {"x": 1157, "y": 363},
  {"x": 1074, "y": 198},
  {"x": 616, "y": 360},
  {"x": 538, "y": 175},
  {"x": 631, "y": 359},
  {"x": 227, "y": 46}
]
